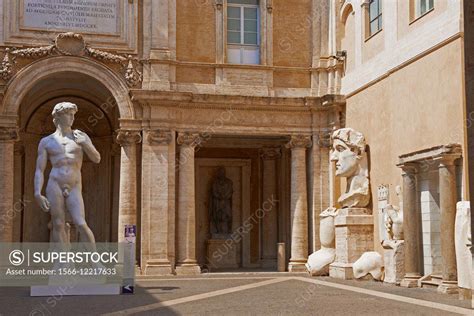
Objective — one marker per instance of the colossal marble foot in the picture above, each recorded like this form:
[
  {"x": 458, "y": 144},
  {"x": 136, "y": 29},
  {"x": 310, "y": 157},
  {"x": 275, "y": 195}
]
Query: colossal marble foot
[
  {"x": 369, "y": 263},
  {"x": 318, "y": 262}
]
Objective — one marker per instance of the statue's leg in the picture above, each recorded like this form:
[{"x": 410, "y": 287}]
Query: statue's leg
[
  {"x": 58, "y": 212},
  {"x": 75, "y": 205}
]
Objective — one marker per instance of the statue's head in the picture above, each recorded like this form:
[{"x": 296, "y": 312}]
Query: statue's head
[
  {"x": 221, "y": 173},
  {"x": 348, "y": 148},
  {"x": 63, "y": 114}
]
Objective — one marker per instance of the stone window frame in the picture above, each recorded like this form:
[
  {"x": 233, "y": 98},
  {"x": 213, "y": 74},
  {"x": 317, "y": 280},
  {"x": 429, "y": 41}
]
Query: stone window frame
[
  {"x": 265, "y": 33},
  {"x": 368, "y": 20},
  {"x": 415, "y": 9},
  {"x": 242, "y": 46}
]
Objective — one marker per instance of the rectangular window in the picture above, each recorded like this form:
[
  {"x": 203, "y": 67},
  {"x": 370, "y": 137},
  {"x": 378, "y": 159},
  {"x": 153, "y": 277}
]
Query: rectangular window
[
  {"x": 243, "y": 32},
  {"x": 375, "y": 16},
  {"x": 423, "y": 6}
]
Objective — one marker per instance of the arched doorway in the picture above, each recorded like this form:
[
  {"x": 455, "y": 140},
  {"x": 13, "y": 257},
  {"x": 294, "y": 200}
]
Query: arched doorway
[{"x": 102, "y": 99}]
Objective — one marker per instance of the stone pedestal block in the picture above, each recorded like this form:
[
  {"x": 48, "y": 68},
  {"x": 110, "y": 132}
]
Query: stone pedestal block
[
  {"x": 354, "y": 236},
  {"x": 394, "y": 261},
  {"x": 158, "y": 267},
  {"x": 222, "y": 253},
  {"x": 188, "y": 269}
]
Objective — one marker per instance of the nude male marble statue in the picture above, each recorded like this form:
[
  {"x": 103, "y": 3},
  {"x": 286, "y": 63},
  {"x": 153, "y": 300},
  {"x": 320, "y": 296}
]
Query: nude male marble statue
[{"x": 64, "y": 149}]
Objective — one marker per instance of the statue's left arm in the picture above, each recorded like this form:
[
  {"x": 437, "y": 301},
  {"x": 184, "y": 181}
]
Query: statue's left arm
[{"x": 85, "y": 142}]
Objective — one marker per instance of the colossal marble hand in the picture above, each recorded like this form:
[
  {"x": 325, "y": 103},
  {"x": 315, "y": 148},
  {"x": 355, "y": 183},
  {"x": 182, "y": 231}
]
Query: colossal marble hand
[
  {"x": 348, "y": 151},
  {"x": 64, "y": 149}
]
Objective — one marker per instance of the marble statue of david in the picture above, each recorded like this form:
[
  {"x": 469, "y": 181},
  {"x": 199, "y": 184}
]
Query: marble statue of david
[{"x": 64, "y": 149}]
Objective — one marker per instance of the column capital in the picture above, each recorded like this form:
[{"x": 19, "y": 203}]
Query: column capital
[
  {"x": 219, "y": 4},
  {"x": 447, "y": 160},
  {"x": 270, "y": 153},
  {"x": 323, "y": 138},
  {"x": 128, "y": 137},
  {"x": 299, "y": 141},
  {"x": 189, "y": 139},
  {"x": 9, "y": 134},
  {"x": 158, "y": 137},
  {"x": 409, "y": 168}
]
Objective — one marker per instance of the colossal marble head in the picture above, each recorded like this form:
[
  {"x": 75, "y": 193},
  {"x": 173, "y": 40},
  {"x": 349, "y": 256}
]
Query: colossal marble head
[
  {"x": 63, "y": 113},
  {"x": 348, "y": 147},
  {"x": 350, "y": 156}
]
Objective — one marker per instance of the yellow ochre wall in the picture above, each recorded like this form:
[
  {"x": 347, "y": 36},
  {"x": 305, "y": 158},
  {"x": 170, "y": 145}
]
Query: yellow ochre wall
[{"x": 416, "y": 107}]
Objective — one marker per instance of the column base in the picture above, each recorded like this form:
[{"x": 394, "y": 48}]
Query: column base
[
  {"x": 341, "y": 271},
  {"x": 410, "y": 281},
  {"x": 464, "y": 294},
  {"x": 448, "y": 287},
  {"x": 158, "y": 267},
  {"x": 297, "y": 267},
  {"x": 188, "y": 269}
]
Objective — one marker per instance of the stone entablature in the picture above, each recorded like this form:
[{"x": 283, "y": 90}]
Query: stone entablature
[
  {"x": 70, "y": 44},
  {"x": 433, "y": 153},
  {"x": 214, "y": 114}
]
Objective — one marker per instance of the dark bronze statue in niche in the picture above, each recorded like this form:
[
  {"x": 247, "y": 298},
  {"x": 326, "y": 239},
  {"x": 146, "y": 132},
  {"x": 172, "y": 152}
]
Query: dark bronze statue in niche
[{"x": 220, "y": 205}]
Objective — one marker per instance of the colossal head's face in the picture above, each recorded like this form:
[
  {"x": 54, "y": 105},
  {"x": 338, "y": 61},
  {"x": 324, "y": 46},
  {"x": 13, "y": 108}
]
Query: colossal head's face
[
  {"x": 345, "y": 158},
  {"x": 63, "y": 114}
]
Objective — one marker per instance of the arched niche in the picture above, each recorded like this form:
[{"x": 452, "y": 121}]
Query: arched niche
[{"x": 98, "y": 115}]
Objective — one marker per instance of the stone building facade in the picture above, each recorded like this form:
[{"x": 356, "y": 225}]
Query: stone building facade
[
  {"x": 404, "y": 88},
  {"x": 167, "y": 101},
  {"x": 172, "y": 90}
]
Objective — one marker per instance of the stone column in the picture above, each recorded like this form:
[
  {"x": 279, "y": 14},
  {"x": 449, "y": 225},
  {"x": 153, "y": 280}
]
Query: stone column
[
  {"x": 186, "y": 221},
  {"x": 128, "y": 140},
  {"x": 270, "y": 193},
  {"x": 447, "y": 205},
  {"x": 155, "y": 212},
  {"x": 411, "y": 227},
  {"x": 320, "y": 188},
  {"x": 299, "y": 203},
  {"x": 19, "y": 202},
  {"x": 8, "y": 136}
]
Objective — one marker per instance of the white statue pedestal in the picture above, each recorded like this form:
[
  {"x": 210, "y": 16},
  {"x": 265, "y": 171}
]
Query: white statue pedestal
[
  {"x": 222, "y": 254},
  {"x": 394, "y": 260},
  {"x": 354, "y": 236}
]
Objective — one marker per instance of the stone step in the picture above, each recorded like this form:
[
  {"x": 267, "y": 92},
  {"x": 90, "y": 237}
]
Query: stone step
[
  {"x": 430, "y": 284},
  {"x": 437, "y": 277}
]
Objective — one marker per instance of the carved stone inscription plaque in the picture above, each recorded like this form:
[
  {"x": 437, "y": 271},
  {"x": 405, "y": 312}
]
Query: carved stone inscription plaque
[{"x": 87, "y": 16}]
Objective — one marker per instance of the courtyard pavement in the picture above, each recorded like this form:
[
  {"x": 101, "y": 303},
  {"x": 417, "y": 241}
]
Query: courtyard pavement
[{"x": 243, "y": 294}]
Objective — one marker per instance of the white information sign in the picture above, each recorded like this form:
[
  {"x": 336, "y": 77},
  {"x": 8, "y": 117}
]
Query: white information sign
[{"x": 87, "y": 16}]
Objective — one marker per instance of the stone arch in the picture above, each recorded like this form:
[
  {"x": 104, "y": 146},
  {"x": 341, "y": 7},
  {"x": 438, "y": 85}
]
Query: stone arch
[
  {"x": 25, "y": 79},
  {"x": 345, "y": 11}
]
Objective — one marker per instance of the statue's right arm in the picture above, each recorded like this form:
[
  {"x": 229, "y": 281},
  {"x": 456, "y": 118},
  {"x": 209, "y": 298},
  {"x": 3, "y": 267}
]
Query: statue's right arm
[{"x": 41, "y": 163}]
